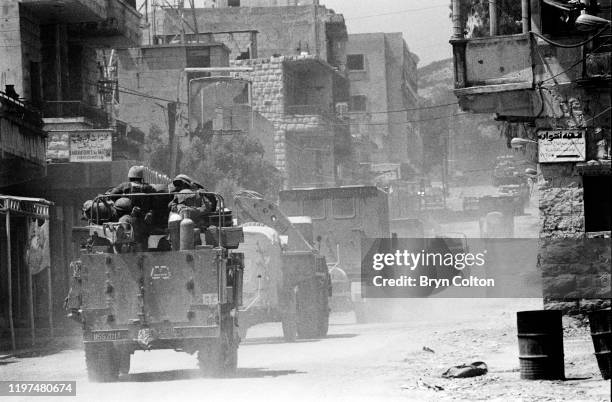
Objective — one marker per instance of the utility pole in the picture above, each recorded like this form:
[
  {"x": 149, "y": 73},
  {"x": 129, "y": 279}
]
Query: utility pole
[
  {"x": 181, "y": 5},
  {"x": 172, "y": 139}
]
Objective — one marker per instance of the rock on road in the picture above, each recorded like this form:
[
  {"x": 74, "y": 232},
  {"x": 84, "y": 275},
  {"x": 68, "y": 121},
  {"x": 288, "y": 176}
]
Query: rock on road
[{"x": 371, "y": 362}]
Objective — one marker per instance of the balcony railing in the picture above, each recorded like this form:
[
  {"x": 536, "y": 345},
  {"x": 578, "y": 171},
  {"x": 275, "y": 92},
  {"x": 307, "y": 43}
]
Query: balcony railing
[
  {"x": 74, "y": 109},
  {"x": 19, "y": 109},
  {"x": 309, "y": 110}
]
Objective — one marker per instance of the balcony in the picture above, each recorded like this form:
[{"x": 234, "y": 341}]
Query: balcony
[
  {"x": 22, "y": 142},
  {"x": 500, "y": 73},
  {"x": 90, "y": 17},
  {"x": 77, "y": 112},
  {"x": 493, "y": 64}
]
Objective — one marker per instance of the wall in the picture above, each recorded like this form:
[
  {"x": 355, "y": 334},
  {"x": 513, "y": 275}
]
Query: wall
[
  {"x": 571, "y": 262},
  {"x": 282, "y": 30},
  {"x": 158, "y": 71},
  {"x": 268, "y": 3},
  {"x": 11, "y": 63},
  {"x": 389, "y": 83},
  {"x": 296, "y": 130}
]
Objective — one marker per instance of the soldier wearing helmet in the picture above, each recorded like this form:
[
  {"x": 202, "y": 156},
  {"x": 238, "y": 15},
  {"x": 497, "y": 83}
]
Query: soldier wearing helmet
[
  {"x": 189, "y": 199},
  {"x": 134, "y": 185},
  {"x": 141, "y": 212},
  {"x": 183, "y": 182}
]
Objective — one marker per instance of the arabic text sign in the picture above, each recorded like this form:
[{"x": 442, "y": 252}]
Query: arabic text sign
[
  {"x": 91, "y": 146},
  {"x": 561, "y": 146}
]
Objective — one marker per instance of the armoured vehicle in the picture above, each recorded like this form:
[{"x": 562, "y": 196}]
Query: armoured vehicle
[
  {"x": 341, "y": 218},
  {"x": 286, "y": 277},
  {"x": 183, "y": 298}
]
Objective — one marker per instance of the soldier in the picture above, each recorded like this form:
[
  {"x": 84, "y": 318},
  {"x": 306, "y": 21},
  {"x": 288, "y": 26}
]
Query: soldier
[
  {"x": 190, "y": 196},
  {"x": 136, "y": 185}
]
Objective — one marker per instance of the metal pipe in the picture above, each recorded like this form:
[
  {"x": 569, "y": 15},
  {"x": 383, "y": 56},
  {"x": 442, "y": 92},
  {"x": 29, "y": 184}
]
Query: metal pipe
[
  {"x": 457, "y": 25},
  {"x": 218, "y": 69},
  {"x": 493, "y": 26},
  {"x": 8, "y": 276},
  {"x": 31, "y": 306},
  {"x": 50, "y": 300},
  {"x": 526, "y": 16}
]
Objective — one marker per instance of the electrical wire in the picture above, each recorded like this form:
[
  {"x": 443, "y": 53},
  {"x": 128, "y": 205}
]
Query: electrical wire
[
  {"x": 570, "y": 67},
  {"x": 396, "y": 12},
  {"x": 572, "y": 45}
]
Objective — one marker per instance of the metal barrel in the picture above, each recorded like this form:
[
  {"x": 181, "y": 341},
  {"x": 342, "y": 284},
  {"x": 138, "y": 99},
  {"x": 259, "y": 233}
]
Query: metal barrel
[
  {"x": 540, "y": 339},
  {"x": 601, "y": 332}
]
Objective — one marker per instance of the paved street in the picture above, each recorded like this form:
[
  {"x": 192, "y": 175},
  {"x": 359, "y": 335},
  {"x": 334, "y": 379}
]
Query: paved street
[{"x": 383, "y": 361}]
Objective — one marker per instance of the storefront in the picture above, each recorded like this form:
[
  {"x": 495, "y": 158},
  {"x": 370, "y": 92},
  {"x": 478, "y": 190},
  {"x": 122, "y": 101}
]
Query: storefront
[{"x": 26, "y": 293}]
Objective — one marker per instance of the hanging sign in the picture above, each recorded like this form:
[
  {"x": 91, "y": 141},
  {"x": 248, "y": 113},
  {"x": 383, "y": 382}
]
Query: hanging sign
[
  {"x": 556, "y": 146},
  {"x": 91, "y": 146}
]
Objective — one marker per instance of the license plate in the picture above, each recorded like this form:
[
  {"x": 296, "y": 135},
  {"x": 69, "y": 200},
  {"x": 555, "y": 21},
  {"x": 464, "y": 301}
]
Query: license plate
[{"x": 108, "y": 335}]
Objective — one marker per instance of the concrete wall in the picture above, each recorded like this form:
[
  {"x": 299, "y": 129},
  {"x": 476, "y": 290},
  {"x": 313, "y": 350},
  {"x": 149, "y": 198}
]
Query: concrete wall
[
  {"x": 11, "y": 62},
  {"x": 158, "y": 72},
  {"x": 265, "y": 3},
  {"x": 282, "y": 30}
]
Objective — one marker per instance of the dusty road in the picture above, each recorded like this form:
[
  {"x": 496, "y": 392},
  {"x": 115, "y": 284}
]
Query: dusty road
[{"x": 356, "y": 362}]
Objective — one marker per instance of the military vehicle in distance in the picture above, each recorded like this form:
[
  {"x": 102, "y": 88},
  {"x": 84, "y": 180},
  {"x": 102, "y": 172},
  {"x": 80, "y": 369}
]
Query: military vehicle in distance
[{"x": 286, "y": 278}]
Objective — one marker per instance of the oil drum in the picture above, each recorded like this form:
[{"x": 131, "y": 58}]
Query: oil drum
[
  {"x": 540, "y": 339},
  {"x": 601, "y": 333}
]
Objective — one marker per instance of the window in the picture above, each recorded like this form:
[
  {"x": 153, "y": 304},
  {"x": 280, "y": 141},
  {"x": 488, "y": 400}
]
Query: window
[
  {"x": 597, "y": 200},
  {"x": 358, "y": 103},
  {"x": 315, "y": 208},
  {"x": 197, "y": 58},
  {"x": 355, "y": 62},
  {"x": 233, "y": 3},
  {"x": 343, "y": 207}
]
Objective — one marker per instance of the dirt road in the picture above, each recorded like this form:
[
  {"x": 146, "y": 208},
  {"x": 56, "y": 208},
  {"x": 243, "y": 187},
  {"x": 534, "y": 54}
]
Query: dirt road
[{"x": 383, "y": 361}]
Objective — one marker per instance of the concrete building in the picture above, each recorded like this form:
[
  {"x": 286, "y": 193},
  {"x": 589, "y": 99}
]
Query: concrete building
[
  {"x": 157, "y": 87},
  {"x": 57, "y": 58},
  {"x": 298, "y": 95},
  {"x": 281, "y": 28},
  {"x": 550, "y": 83},
  {"x": 22, "y": 158},
  {"x": 383, "y": 80}
]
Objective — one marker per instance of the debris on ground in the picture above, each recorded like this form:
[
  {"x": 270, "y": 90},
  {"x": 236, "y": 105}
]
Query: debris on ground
[
  {"x": 426, "y": 349},
  {"x": 423, "y": 384},
  {"x": 466, "y": 370}
]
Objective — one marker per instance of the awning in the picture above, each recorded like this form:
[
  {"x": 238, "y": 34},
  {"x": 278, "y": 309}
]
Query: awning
[{"x": 36, "y": 207}]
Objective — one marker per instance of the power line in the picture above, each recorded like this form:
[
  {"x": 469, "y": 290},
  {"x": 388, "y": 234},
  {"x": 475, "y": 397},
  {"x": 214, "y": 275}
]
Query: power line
[
  {"x": 397, "y": 12},
  {"x": 408, "y": 109}
]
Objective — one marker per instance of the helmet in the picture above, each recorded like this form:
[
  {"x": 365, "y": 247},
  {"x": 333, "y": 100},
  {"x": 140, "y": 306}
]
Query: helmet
[
  {"x": 182, "y": 180},
  {"x": 136, "y": 172},
  {"x": 123, "y": 205}
]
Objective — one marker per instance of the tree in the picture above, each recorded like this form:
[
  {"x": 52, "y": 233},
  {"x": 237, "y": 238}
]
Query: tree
[
  {"x": 157, "y": 152},
  {"x": 475, "y": 17},
  {"x": 229, "y": 163}
]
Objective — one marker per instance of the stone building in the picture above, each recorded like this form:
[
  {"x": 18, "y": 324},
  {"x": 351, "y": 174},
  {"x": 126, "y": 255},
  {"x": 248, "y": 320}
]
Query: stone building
[
  {"x": 298, "y": 95},
  {"x": 258, "y": 29},
  {"x": 549, "y": 80},
  {"x": 383, "y": 79}
]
